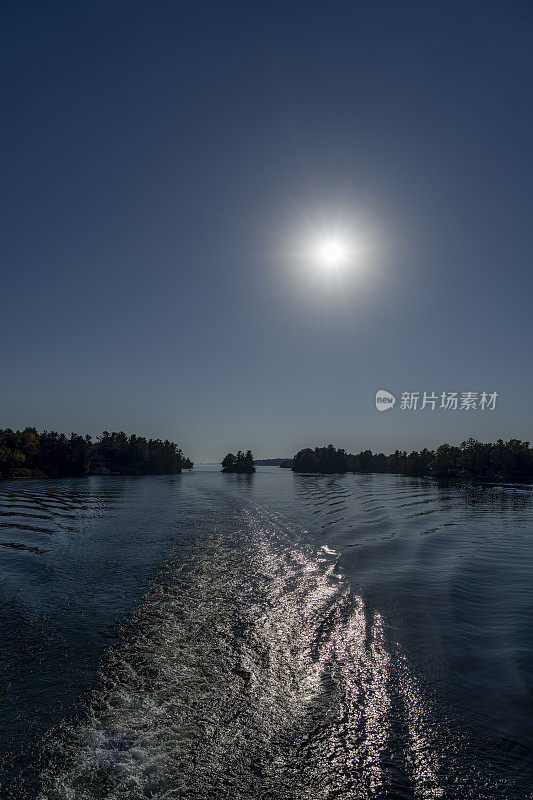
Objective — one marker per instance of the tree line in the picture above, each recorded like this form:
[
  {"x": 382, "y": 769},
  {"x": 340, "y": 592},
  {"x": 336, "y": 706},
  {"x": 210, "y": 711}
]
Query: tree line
[
  {"x": 28, "y": 452},
  {"x": 512, "y": 459}
]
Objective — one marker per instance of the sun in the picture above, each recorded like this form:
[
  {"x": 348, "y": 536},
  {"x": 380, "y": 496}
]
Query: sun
[{"x": 332, "y": 253}]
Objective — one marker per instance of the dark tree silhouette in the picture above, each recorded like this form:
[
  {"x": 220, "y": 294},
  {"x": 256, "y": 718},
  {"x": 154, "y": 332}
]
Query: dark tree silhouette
[
  {"x": 27, "y": 452},
  {"x": 512, "y": 459},
  {"x": 322, "y": 459},
  {"x": 242, "y": 462}
]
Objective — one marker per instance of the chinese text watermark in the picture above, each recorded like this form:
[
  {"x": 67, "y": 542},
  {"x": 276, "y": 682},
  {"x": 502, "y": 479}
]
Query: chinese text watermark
[{"x": 447, "y": 401}]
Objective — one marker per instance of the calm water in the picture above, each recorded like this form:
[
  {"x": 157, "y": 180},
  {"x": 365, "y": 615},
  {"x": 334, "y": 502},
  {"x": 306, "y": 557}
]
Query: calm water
[{"x": 271, "y": 636}]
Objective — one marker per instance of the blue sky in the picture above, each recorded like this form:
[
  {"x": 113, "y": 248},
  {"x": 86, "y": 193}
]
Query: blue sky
[{"x": 166, "y": 165}]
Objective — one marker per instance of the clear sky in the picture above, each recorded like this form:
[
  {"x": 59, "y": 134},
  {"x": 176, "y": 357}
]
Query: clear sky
[{"x": 166, "y": 169}]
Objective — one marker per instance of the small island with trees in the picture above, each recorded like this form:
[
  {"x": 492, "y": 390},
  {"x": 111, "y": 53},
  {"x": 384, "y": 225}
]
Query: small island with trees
[{"x": 242, "y": 462}]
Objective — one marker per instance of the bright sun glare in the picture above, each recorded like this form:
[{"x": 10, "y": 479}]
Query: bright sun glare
[{"x": 332, "y": 253}]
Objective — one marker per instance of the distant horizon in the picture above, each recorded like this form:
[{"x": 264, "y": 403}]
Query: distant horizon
[{"x": 259, "y": 455}]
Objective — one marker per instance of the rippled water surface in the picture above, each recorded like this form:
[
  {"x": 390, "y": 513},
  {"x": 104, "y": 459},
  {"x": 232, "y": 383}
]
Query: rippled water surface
[{"x": 266, "y": 636}]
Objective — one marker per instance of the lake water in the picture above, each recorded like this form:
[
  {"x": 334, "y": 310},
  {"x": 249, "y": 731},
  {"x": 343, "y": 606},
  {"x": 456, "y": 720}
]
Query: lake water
[{"x": 269, "y": 636}]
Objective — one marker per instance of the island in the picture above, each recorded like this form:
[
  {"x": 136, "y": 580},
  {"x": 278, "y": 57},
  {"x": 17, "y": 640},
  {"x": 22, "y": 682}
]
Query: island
[
  {"x": 271, "y": 462},
  {"x": 242, "y": 462}
]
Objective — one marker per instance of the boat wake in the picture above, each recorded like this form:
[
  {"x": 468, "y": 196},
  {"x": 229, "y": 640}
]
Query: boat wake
[{"x": 250, "y": 670}]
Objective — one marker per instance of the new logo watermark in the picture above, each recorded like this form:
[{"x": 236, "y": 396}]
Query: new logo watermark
[
  {"x": 446, "y": 401},
  {"x": 384, "y": 400}
]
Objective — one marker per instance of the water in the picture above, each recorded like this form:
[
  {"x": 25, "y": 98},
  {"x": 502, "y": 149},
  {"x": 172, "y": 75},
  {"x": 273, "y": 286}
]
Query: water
[{"x": 266, "y": 636}]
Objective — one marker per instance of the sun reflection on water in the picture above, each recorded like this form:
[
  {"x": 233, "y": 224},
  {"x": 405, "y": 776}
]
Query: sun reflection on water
[{"x": 249, "y": 670}]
